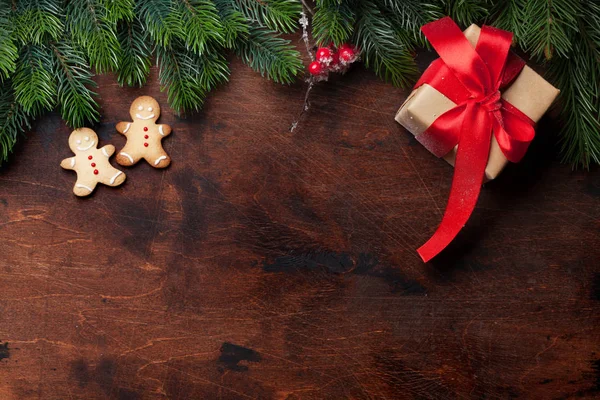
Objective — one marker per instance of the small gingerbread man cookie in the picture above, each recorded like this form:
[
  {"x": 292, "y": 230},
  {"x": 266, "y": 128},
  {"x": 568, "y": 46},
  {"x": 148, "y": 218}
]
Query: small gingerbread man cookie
[
  {"x": 144, "y": 135},
  {"x": 90, "y": 163}
]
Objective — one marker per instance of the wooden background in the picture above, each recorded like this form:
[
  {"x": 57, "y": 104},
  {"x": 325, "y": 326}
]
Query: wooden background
[{"x": 269, "y": 265}]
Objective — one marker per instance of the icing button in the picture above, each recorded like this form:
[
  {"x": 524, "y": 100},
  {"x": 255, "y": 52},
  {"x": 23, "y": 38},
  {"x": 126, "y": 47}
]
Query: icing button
[
  {"x": 90, "y": 157},
  {"x": 93, "y": 164},
  {"x": 145, "y": 136},
  {"x": 145, "y": 144},
  {"x": 145, "y": 129},
  {"x": 95, "y": 172}
]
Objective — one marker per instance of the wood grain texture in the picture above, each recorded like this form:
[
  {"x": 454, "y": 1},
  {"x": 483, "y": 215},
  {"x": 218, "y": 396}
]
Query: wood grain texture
[{"x": 268, "y": 265}]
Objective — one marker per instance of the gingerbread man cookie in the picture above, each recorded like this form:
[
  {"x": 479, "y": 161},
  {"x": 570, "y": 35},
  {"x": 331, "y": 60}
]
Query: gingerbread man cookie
[
  {"x": 144, "y": 135},
  {"x": 90, "y": 163}
]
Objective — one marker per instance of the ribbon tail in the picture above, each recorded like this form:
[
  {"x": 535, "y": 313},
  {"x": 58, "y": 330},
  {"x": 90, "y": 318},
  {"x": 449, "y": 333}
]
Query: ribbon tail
[{"x": 471, "y": 160}]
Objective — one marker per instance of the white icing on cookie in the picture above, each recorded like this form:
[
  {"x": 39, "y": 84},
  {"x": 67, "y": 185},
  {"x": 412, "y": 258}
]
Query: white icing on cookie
[
  {"x": 83, "y": 186},
  {"x": 160, "y": 130},
  {"x": 128, "y": 156},
  {"x": 127, "y": 127},
  {"x": 112, "y": 180},
  {"x": 159, "y": 159},
  {"x": 104, "y": 152},
  {"x": 87, "y": 148},
  {"x": 148, "y": 117},
  {"x": 72, "y": 162}
]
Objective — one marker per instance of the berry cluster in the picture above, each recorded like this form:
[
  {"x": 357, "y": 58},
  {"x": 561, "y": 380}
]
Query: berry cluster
[{"x": 332, "y": 59}]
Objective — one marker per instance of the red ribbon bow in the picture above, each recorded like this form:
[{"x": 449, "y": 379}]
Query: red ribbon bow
[{"x": 471, "y": 78}]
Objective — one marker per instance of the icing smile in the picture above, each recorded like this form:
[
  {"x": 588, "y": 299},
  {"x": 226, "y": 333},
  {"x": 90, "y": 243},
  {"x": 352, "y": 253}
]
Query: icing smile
[
  {"x": 148, "y": 117},
  {"x": 85, "y": 148}
]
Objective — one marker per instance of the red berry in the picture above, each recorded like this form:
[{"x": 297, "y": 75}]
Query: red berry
[
  {"x": 347, "y": 55},
  {"x": 345, "y": 46},
  {"x": 315, "y": 68},
  {"x": 335, "y": 59},
  {"x": 323, "y": 54}
]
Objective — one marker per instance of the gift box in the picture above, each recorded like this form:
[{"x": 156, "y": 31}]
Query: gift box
[
  {"x": 529, "y": 92},
  {"x": 476, "y": 106}
]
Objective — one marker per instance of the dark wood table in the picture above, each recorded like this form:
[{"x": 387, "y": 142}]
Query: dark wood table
[{"x": 265, "y": 264}]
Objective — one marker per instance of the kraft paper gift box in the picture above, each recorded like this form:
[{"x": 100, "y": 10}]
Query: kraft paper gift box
[{"x": 529, "y": 92}]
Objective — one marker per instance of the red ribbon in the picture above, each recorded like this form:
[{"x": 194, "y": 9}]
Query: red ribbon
[{"x": 471, "y": 78}]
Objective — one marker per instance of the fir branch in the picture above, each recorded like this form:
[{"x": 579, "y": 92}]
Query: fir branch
[
  {"x": 200, "y": 21},
  {"x": 8, "y": 49},
  {"x": 74, "y": 80},
  {"x": 118, "y": 10},
  {"x": 37, "y": 21},
  {"x": 155, "y": 14},
  {"x": 188, "y": 76},
  {"x": 466, "y": 12},
  {"x": 510, "y": 16},
  {"x": 277, "y": 15},
  {"x": 272, "y": 56},
  {"x": 89, "y": 25},
  {"x": 179, "y": 75},
  {"x": 333, "y": 21},
  {"x": 13, "y": 119},
  {"x": 136, "y": 55},
  {"x": 233, "y": 21},
  {"x": 33, "y": 82},
  {"x": 591, "y": 23},
  {"x": 578, "y": 77},
  {"x": 213, "y": 69},
  {"x": 411, "y": 15},
  {"x": 550, "y": 26},
  {"x": 381, "y": 48}
]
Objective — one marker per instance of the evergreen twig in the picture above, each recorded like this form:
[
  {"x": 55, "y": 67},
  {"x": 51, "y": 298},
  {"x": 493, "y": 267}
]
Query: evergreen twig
[
  {"x": 382, "y": 49},
  {"x": 276, "y": 15},
  {"x": 136, "y": 54},
  {"x": 235, "y": 25},
  {"x": 33, "y": 82},
  {"x": 13, "y": 119},
  {"x": 272, "y": 56},
  {"x": 36, "y": 21},
  {"x": 90, "y": 26},
  {"x": 333, "y": 21},
  {"x": 8, "y": 49},
  {"x": 74, "y": 80}
]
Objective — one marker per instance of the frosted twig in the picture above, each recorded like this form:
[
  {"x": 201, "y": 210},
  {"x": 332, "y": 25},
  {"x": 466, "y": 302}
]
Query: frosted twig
[
  {"x": 307, "y": 7},
  {"x": 311, "y": 81}
]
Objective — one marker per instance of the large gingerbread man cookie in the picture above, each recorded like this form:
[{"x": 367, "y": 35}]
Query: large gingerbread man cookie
[
  {"x": 144, "y": 135},
  {"x": 90, "y": 163}
]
